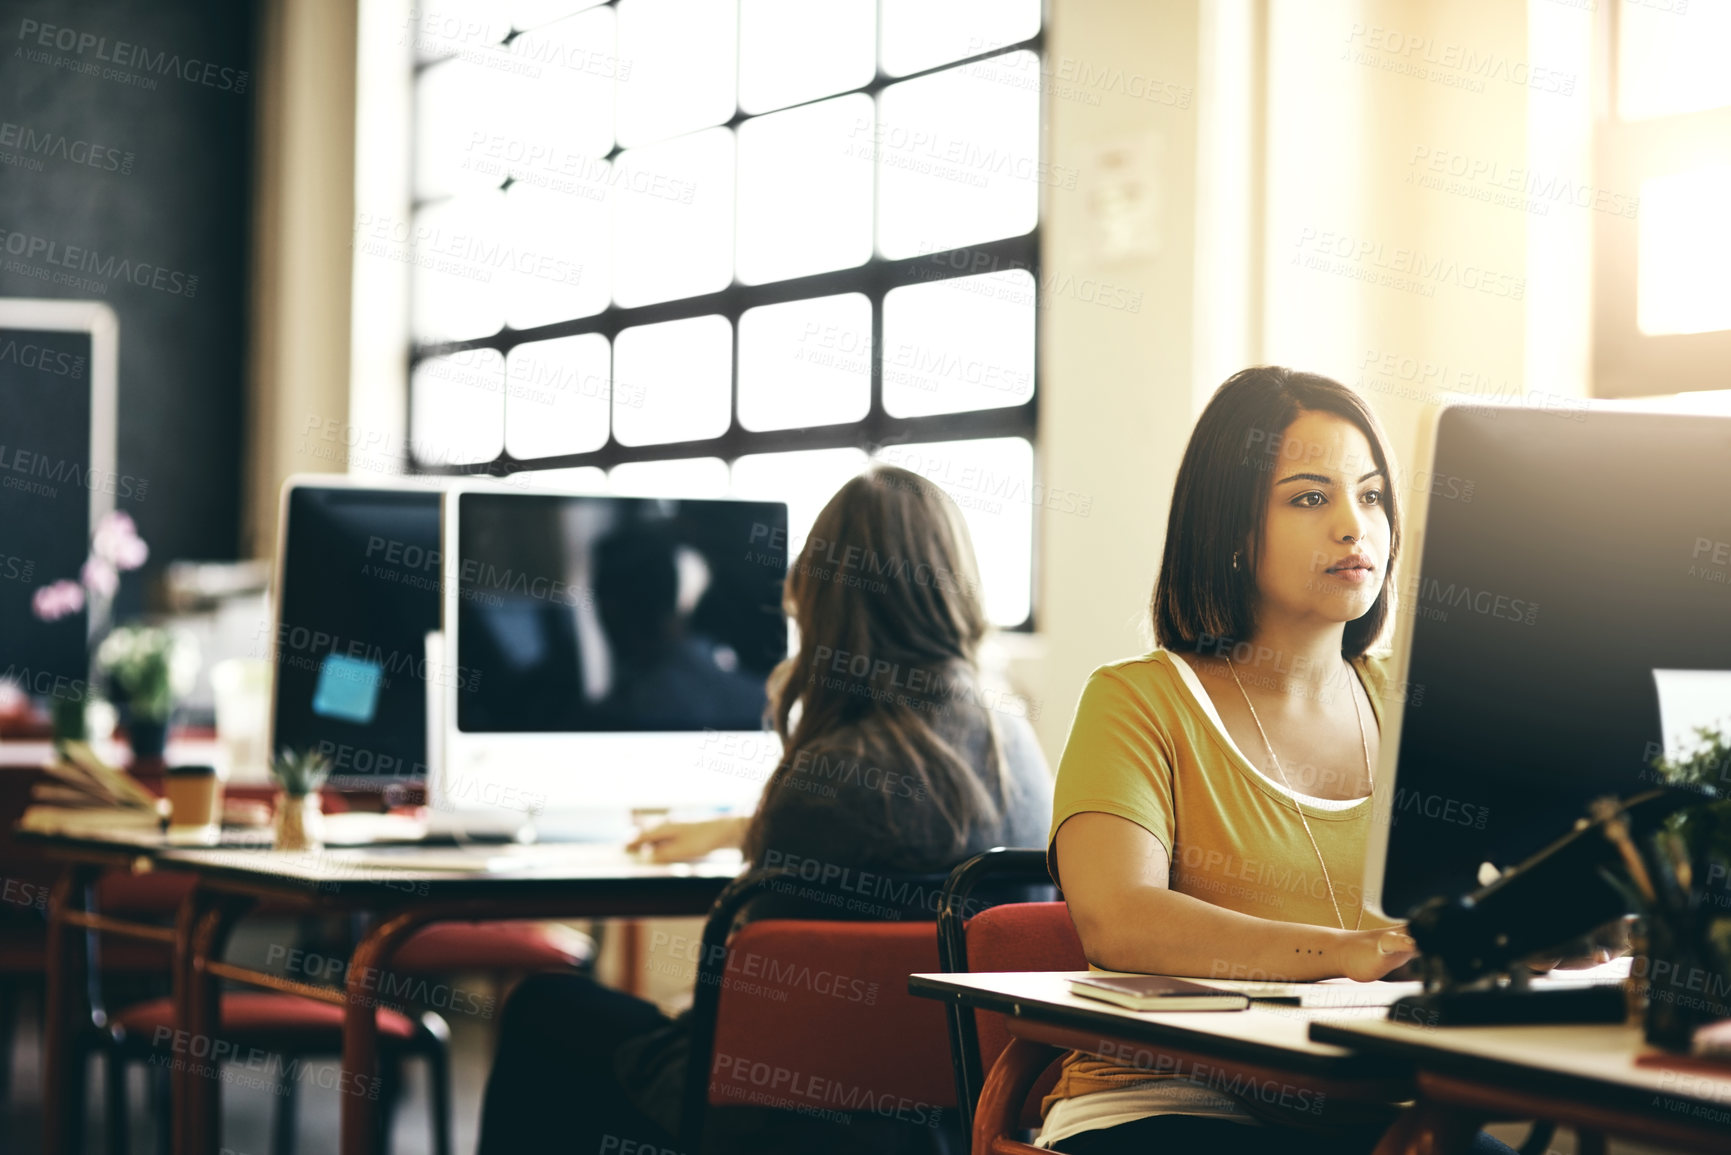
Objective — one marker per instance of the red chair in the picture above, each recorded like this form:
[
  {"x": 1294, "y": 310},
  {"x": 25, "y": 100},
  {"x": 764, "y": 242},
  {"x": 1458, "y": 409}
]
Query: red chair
[
  {"x": 286, "y": 1025},
  {"x": 815, "y": 1015},
  {"x": 1017, "y": 936},
  {"x": 522, "y": 947}
]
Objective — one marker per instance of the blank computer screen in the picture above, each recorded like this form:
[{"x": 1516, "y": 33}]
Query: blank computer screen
[
  {"x": 360, "y": 592},
  {"x": 586, "y": 613},
  {"x": 46, "y": 478},
  {"x": 1567, "y": 556}
]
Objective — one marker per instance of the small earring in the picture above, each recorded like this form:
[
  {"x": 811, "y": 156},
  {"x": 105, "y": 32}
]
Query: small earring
[{"x": 1235, "y": 559}]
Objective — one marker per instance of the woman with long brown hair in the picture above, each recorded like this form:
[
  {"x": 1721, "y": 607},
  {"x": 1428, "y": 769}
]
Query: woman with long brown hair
[{"x": 895, "y": 757}]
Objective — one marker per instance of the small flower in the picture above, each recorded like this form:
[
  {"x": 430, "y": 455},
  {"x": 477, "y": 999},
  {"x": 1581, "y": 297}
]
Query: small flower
[
  {"x": 53, "y": 602},
  {"x": 100, "y": 578},
  {"x": 116, "y": 542}
]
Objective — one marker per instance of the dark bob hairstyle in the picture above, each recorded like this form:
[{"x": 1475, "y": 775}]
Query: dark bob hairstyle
[{"x": 1221, "y": 497}]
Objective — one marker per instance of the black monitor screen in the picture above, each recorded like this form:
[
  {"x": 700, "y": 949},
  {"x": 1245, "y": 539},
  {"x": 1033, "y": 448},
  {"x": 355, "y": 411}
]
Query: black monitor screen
[
  {"x": 360, "y": 592},
  {"x": 46, "y": 478},
  {"x": 582, "y": 613},
  {"x": 1568, "y": 555}
]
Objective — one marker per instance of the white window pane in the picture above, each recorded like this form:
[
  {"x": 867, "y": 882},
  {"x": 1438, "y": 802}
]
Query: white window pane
[
  {"x": 577, "y": 479},
  {"x": 464, "y": 122},
  {"x": 965, "y": 343},
  {"x": 958, "y": 159},
  {"x": 556, "y": 396},
  {"x": 534, "y": 13},
  {"x": 806, "y": 480},
  {"x": 1683, "y": 250},
  {"x": 794, "y": 50},
  {"x": 698, "y": 477},
  {"x": 992, "y": 481},
  {"x": 805, "y": 362},
  {"x": 1671, "y": 58},
  {"x": 805, "y": 190},
  {"x": 453, "y": 27},
  {"x": 673, "y": 381},
  {"x": 563, "y": 111},
  {"x": 920, "y": 34},
  {"x": 673, "y": 213},
  {"x": 677, "y": 62},
  {"x": 461, "y": 253},
  {"x": 457, "y": 408},
  {"x": 561, "y": 258}
]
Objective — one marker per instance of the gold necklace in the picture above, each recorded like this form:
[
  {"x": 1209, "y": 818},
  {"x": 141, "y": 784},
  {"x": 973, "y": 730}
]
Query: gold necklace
[{"x": 1358, "y": 713}]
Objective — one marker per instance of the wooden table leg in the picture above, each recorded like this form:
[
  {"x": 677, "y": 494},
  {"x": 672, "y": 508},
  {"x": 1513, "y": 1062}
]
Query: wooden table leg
[
  {"x": 206, "y": 920},
  {"x": 65, "y": 1015},
  {"x": 360, "y": 1082}
]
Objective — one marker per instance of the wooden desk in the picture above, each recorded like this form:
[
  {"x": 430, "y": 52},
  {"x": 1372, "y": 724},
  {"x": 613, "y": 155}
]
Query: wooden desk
[
  {"x": 1263, "y": 1055},
  {"x": 403, "y": 900},
  {"x": 1580, "y": 1076}
]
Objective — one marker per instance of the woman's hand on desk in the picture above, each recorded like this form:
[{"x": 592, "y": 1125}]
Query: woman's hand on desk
[
  {"x": 1372, "y": 954},
  {"x": 684, "y": 841}
]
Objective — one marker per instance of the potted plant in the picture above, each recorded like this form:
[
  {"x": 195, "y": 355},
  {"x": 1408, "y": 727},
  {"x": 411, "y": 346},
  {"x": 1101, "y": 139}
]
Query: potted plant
[
  {"x": 147, "y": 670},
  {"x": 298, "y": 821}
]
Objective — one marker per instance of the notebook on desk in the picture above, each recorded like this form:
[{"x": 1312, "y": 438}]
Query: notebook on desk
[{"x": 503, "y": 859}]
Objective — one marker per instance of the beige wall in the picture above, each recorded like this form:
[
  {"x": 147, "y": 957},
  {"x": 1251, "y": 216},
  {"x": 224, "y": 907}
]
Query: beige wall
[
  {"x": 1115, "y": 402},
  {"x": 1349, "y": 129},
  {"x": 305, "y": 148}
]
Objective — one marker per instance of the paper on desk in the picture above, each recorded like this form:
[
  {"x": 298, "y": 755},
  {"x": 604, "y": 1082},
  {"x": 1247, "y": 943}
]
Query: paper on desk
[{"x": 1340, "y": 992}]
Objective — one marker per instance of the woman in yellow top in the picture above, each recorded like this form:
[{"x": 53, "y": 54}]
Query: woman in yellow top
[{"x": 1214, "y": 795}]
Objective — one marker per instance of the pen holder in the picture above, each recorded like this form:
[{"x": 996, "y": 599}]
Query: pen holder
[
  {"x": 1680, "y": 971},
  {"x": 298, "y": 822}
]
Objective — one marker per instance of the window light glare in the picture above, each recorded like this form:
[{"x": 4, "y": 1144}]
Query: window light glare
[{"x": 1683, "y": 250}]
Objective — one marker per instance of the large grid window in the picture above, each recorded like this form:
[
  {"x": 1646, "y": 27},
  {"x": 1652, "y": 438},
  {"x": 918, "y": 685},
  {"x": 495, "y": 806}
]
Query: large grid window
[
  {"x": 1662, "y": 300},
  {"x": 713, "y": 247}
]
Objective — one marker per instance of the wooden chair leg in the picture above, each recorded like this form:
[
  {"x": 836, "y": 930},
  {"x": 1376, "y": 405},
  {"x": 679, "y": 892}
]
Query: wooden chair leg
[
  {"x": 1431, "y": 1129},
  {"x": 390, "y": 1090},
  {"x": 8, "y": 1029},
  {"x": 116, "y": 1115},
  {"x": 161, "y": 1095},
  {"x": 1006, "y": 1089},
  {"x": 439, "y": 1098},
  {"x": 284, "y": 1121}
]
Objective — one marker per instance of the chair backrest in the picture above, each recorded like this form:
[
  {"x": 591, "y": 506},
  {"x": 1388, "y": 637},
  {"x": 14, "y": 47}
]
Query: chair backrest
[
  {"x": 816, "y": 1014},
  {"x": 1022, "y": 936}
]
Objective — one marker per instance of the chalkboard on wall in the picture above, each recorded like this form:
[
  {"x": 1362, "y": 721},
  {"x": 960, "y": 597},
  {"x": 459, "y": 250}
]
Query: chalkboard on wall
[
  {"x": 125, "y": 177},
  {"x": 57, "y": 478}
]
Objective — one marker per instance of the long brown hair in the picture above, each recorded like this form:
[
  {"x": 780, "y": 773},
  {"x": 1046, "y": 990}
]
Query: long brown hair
[
  {"x": 1221, "y": 497},
  {"x": 886, "y": 596}
]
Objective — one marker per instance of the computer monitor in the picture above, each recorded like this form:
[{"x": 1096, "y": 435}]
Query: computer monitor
[
  {"x": 608, "y": 652},
  {"x": 58, "y": 477},
  {"x": 1567, "y": 559},
  {"x": 357, "y": 592}
]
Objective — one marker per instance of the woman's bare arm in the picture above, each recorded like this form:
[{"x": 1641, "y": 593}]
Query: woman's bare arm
[{"x": 1116, "y": 879}]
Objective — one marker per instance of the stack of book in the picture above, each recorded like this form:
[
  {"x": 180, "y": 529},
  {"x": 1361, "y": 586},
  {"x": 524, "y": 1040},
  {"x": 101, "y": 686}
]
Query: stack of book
[{"x": 84, "y": 792}]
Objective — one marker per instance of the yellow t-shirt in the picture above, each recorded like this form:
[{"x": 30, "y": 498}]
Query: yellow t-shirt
[{"x": 1148, "y": 746}]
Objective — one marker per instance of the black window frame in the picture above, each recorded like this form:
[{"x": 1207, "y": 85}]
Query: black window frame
[{"x": 873, "y": 279}]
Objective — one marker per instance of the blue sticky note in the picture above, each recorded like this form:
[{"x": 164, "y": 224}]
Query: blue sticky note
[{"x": 348, "y": 689}]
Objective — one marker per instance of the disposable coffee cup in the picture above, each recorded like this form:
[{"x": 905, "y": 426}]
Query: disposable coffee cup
[{"x": 194, "y": 802}]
